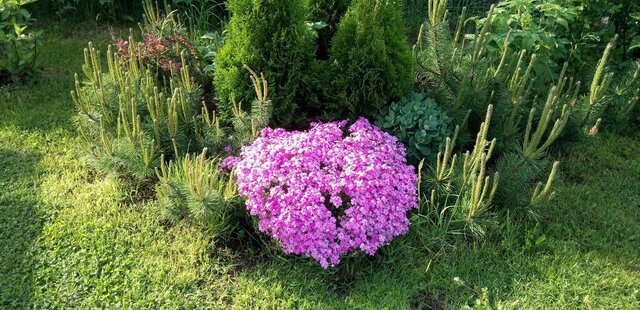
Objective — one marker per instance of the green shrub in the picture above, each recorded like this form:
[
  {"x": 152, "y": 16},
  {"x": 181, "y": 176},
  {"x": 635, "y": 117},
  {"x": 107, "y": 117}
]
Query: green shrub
[
  {"x": 419, "y": 123},
  {"x": 462, "y": 70},
  {"x": 371, "y": 57},
  {"x": 18, "y": 46},
  {"x": 270, "y": 36},
  {"x": 195, "y": 189},
  {"x": 128, "y": 118},
  {"x": 540, "y": 27},
  {"x": 457, "y": 193}
]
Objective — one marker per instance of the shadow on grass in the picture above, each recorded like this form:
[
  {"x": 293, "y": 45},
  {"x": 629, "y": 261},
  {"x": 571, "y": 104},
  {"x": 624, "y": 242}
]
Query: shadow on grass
[{"x": 20, "y": 225}]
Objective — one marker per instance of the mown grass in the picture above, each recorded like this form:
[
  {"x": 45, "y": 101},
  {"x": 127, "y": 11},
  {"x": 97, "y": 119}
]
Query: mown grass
[{"x": 71, "y": 238}]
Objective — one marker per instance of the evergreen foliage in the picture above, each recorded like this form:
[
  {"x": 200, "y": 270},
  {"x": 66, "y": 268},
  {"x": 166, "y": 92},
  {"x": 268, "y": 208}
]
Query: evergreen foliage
[
  {"x": 194, "y": 188},
  {"x": 129, "y": 120},
  {"x": 460, "y": 69},
  {"x": 371, "y": 56},
  {"x": 269, "y": 36}
]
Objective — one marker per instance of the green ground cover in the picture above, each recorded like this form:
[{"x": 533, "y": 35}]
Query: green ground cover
[{"x": 70, "y": 238}]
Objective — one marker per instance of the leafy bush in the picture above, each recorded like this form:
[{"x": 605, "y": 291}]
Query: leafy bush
[
  {"x": 194, "y": 188},
  {"x": 269, "y": 36},
  {"x": 165, "y": 44},
  {"x": 328, "y": 191},
  {"x": 605, "y": 19},
  {"x": 161, "y": 54},
  {"x": 541, "y": 27},
  {"x": 419, "y": 124},
  {"x": 18, "y": 47},
  {"x": 371, "y": 56}
]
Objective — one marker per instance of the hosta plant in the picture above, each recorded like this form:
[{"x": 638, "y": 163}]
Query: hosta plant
[
  {"x": 419, "y": 123},
  {"x": 329, "y": 191}
]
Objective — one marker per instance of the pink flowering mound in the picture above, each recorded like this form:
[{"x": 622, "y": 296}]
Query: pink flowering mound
[{"x": 328, "y": 191}]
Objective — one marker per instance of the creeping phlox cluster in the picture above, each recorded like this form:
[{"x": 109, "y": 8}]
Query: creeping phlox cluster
[{"x": 328, "y": 191}]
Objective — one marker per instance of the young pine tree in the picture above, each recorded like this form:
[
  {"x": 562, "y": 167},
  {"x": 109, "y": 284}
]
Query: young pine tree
[
  {"x": 372, "y": 56},
  {"x": 271, "y": 37}
]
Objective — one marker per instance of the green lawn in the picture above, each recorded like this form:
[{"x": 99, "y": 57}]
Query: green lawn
[{"x": 71, "y": 238}]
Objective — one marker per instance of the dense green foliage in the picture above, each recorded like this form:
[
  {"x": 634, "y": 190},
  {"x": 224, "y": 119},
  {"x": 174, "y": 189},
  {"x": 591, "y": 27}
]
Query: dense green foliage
[
  {"x": 606, "y": 18},
  {"x": 272, "y": 38},
  {"x": 372, "y": 57},
  {"x": 539, "y": 27},
  {"x": 127, "y": 131},
  {"x": 494, "y": 93},
  {"x": 195, "y": 188},
  {"x": 18, "y": 45},
  {"x": 419, "y": 123}
]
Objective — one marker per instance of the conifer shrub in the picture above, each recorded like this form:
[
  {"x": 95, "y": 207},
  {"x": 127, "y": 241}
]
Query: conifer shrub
[
  {"x": 269, "y": 36},
  {"x": 128, "y": 118},
  {"x": 194, "y": 188},
  {"x": 371, "y": 57},
  {"x": 459, "y": 192},
  {"x": 490, "y": 92},
  {"x": 622, "y": 113},
  {"x": 132, "y": 122},
  {"x": 419, "y": 123}
]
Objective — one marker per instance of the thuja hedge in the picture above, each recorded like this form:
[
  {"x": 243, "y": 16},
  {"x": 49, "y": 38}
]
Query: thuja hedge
[
  {"x": 369, "y": 61},
  {"x": 372, "y": 57}
]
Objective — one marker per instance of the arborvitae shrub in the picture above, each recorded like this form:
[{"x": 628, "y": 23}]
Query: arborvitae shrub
[
  {"x": 271, "y": 37},
  {"x": 372, "y": 55}
]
